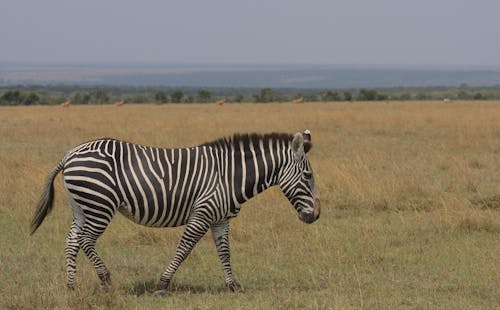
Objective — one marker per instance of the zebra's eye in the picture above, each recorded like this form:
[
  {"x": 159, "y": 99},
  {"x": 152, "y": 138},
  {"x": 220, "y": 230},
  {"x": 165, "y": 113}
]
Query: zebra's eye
[{"x": 307, "y": 175}]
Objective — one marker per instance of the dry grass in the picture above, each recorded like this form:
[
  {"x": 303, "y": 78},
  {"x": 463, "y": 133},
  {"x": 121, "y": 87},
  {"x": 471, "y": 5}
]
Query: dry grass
[{"x": 410, "y": 201}]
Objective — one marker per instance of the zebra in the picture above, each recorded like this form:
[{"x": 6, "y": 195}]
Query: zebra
[{"x": 201, "y": 187}]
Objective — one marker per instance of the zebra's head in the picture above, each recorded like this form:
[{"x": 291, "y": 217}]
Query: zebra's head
[{"x": 297, "y": 179}]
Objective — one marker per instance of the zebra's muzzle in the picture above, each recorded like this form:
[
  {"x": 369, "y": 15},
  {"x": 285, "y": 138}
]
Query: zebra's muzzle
[{"x": 310, "y": 217}]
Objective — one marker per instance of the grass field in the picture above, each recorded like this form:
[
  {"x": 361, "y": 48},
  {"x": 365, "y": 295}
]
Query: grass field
[{"x": 410, "y": 217}]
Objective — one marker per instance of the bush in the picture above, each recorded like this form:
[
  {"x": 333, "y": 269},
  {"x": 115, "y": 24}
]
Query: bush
[
  {"x": 176, "y": 96},
  {"x": 204, "y": 95},
  {"x": 478, "y": 96},
  {"x": 330, "y": 96},
  {"x": 266, "y": 95},
  {"x": 367, "y": 95},
  {"x": 161, "y": 97},
  {"x": 12, "y": 97},
  {"x": 32, "y": 98},
  {"x": 347, "y": 96},
  {"x": 238, "y": 98}
]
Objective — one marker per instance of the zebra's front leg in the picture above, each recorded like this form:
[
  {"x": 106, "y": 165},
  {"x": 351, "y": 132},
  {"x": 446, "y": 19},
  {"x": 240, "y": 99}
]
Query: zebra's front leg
[
  {"x": 220, "y": 233},
  {"x": 195, "y": 229}
]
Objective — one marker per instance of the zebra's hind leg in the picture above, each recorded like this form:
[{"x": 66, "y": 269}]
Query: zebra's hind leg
[
  {"x": 72, "y": 248},
  {"x": 87, "y": 240},
  {"x": 196, "y": 228},
  {"x": 220, "y": 233}
]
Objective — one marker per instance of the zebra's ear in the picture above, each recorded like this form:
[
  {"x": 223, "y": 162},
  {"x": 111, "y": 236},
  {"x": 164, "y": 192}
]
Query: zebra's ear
[
  {"x": 298, "y": 145},
  {"x": 307, "y": 140}
]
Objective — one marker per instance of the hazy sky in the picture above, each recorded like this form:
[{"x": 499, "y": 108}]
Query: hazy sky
[{"x": 251, "y": 32}]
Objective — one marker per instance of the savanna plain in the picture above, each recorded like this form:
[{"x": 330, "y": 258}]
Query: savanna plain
[{"x": 410, "y": 219}]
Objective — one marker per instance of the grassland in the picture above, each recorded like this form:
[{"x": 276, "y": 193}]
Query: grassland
[{"x": 410, "y": 210}]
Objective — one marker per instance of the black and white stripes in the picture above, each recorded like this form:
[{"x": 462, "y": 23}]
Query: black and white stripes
[{"x": 201, "y": 187}]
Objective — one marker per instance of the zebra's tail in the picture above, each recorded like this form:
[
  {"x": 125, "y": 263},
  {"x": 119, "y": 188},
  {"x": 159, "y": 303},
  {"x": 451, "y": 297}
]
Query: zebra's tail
[{"x": 46, "y": 200}]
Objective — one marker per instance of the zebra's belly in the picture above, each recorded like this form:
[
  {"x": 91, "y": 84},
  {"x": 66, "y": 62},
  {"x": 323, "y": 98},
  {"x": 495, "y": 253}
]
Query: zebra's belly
[{"x": 157, "y": 217}]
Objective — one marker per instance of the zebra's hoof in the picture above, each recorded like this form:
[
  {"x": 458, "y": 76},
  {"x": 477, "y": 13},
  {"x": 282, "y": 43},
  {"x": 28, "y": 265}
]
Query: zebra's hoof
[
  {"x": 105, "y": 278},
  {"x": 235, "y": 287},
  {"x": 160, "y": 293}
]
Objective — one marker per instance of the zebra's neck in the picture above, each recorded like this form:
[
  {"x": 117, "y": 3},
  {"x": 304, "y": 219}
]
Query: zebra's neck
[{"x": 253, "y": 163}]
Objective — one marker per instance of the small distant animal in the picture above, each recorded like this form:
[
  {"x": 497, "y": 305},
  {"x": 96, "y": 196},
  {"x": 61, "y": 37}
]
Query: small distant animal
[
  {"x": 119, "y": 103},
  {"x": 65, "y": 104},
  {"x": 220, "y": 102},
  {"x": 298, "y": 100}
]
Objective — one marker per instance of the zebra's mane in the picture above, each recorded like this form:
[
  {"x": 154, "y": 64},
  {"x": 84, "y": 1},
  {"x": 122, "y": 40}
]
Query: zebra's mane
[{"x": 250, "y": 138}]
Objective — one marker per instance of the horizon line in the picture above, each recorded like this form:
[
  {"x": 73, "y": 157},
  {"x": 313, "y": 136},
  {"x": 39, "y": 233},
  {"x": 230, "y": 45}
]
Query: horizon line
[{"x": 137, "y": 64}]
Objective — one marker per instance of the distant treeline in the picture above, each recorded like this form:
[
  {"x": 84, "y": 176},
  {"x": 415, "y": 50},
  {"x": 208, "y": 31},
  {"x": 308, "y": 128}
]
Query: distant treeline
[{"x": 53, "y": 95}]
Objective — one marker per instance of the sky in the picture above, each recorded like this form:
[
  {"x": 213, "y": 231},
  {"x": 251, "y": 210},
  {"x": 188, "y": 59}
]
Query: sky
[{"x": 352, "y": 32}]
